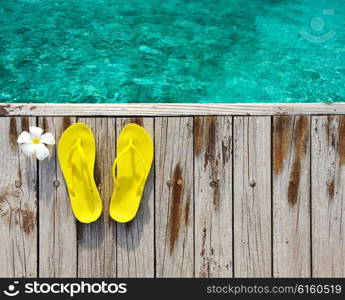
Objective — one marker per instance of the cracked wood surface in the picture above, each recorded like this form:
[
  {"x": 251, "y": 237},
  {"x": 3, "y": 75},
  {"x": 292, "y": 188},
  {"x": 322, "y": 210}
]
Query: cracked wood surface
[
  {"x": 328, "y": 204},
  {"x": 291, "y": 196},
  {"x": 58, "y": 227},
  {"x": 213, "y": 196},
  {"x": 18, "y": 203},
  {"x": 174, "y": 197},
  {"x": 169, "y": 109},
  {"x": 252, "y": 197},
  {"x": 242, "y": 196}
]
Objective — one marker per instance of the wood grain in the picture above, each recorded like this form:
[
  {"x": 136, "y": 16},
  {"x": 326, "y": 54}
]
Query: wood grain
[
  {"x": 58, "y": 227},
  {"x": 18, "y": 202},
  {"x": 213, "y": 196},
  {"x": 169, "y": 109},
  {"x": 97, "y": 241},
  {"x": 135, "y": 240},
  {"x": 174, "y": 197},
  {"x": 252, "y": 197},
  {"x": 291, "y": 196},
  {"x": 328, "y": 196}
]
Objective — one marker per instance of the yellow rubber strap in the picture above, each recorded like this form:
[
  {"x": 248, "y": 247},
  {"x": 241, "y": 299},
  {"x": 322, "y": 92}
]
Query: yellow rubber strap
[
  {"x": 142, "y": 160},
  {"x": 77, "y": 149}
]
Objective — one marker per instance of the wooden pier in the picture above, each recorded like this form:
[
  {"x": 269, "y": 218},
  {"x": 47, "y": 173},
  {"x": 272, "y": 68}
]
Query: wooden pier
[{"x": 235, "y": 191}]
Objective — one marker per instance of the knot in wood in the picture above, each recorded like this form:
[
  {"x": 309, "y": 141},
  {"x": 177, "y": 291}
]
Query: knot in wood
[
  {"x": 17, "y": 193},
  {"x": 252, "y": 182},
  {"x": 18, "y": 183}
]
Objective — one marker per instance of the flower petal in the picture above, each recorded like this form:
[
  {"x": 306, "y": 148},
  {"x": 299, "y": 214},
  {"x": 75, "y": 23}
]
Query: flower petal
[
  {"x": 48, "y": 138},
  {"x": 24, "y": 137},
  {"x": 35, "y": 132},
  {"x": 42, "y": 151},
  {"x": 28, "y": 149}
]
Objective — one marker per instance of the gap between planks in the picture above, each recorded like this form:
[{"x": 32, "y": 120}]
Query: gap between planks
[{"x": 293, "y": 137}]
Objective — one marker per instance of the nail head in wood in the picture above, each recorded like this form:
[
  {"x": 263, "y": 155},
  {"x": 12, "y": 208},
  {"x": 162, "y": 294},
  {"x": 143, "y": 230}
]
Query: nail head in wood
[
  {"x": 252, "y": 183},
  {"x": 213, "y": 183}
]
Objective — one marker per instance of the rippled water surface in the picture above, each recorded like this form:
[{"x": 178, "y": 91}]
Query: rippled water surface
[{"x": 172, "y": 51}]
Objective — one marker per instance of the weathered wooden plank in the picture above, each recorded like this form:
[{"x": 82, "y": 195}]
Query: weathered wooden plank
[
  {"x": 328, "y": 196},
  {"x": 291, "y": 196},
  {"x": 174, "y": 197},
  {"x": 58, "y": 227},
  {"x": 135, "y": 240},
  {"x": 18, "y": 202},
  {"x": 213, "y": 196},
  {"x": 97, "y": 241},
  {"x": 169, "y": 109},
  {"x": 252, "y": 197}
]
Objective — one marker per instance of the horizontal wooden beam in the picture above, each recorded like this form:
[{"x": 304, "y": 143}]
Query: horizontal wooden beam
[{"x": 167, "y": 109}]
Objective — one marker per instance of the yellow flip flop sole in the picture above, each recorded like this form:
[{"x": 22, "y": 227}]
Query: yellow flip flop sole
[
  {"x": 133, "y": 164},
  {"x": 77, "y": 152}
]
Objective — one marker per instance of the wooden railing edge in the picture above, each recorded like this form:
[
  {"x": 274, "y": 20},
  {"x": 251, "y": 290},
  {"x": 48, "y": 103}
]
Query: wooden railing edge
[{"x": 169, "y": 109}]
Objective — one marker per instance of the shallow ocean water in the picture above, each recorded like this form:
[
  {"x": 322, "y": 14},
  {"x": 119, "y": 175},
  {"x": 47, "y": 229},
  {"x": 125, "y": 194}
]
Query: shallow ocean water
[{"x": 112, "y": 51}]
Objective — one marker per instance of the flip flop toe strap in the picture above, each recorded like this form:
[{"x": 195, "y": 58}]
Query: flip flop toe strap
[
  {"x": 77, "y": 149},
  {"x": 142, "y": 160}
]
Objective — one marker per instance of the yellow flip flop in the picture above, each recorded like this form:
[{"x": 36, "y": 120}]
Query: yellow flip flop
[
  {"x": 77, "y": 153},
  {"x": 133, "y": 164}
]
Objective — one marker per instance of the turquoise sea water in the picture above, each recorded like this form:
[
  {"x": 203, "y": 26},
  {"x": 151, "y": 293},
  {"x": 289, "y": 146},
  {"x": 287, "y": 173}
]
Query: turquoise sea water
[{"x": 90, "y": 51}]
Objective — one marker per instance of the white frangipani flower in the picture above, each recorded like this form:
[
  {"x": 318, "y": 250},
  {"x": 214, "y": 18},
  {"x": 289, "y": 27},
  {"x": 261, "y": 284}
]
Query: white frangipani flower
[{"x": 33, "y": 142}]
